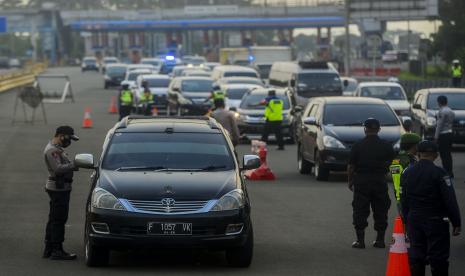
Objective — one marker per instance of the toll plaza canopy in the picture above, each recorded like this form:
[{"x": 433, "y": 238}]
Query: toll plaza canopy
[{"x": 207, "y": 24}]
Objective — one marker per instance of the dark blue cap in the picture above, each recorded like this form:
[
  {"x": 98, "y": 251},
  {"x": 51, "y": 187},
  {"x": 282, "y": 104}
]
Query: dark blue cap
[
  {"x": 427, "y": 146},
  {"x": 372, "y": 123}
]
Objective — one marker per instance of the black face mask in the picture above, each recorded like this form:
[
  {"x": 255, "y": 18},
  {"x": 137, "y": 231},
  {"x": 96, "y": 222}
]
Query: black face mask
[{"x": 65, "y": 142}]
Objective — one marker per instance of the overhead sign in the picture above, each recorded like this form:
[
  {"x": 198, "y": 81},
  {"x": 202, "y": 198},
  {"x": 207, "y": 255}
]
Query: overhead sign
[
  {"x": 208, "y": 10},
  {"x": 3, "y": 24},
  {"x": 394, "y": 9}
]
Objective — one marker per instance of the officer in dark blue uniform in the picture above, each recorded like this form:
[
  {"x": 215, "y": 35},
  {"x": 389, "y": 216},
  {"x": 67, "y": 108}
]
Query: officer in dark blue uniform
[{"x": 428, "y": 204}]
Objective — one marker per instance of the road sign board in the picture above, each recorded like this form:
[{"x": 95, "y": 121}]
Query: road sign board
[{"x": 3, "y": 26}]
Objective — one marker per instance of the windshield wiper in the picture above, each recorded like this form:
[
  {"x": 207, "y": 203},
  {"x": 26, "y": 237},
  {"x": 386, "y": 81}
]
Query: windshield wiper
[
  {"x": 211, "y": 168},
  {"x": 353, "y": 124},
  {"x": 136, "y": 168}
]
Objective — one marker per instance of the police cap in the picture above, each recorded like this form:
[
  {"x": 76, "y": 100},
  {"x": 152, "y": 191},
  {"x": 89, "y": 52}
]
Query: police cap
[
  {"x": 67, "y": 130},
  {"x": 371, "y": 123},
  {"x": 410, "y": 138},
  {"x": 427, "y": 146}
]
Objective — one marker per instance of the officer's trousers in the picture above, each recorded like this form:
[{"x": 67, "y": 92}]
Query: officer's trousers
[
  {"x": 370, "y": 190},
  {"x": 273, "y": 127},
  {"x": 58, "y": 216},
  {"x": 456, "y": 82},
  {"x": 124, "y": 110},
  {"x": 445, "y": 149},
  {"x": 429, "y": 242}
]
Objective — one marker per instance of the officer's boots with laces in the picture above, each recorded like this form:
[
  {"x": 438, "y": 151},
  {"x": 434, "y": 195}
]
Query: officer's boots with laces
[
  {"x": 379, "y": 243},
  {"x": 59, "y": 254},
  {"x": 48, "y": 250},
  {"x": 360, "y": 242}
]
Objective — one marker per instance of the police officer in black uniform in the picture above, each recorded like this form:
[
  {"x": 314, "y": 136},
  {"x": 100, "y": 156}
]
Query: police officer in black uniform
[
  {"x": 368, "y": 164},
  {"x": 428, "y": 204}
]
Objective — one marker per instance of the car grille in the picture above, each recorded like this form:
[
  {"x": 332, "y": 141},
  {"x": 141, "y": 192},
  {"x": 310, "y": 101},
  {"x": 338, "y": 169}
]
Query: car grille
[
  {"x": 158, "y": 207},
  {"x": 142, "y": 230}
]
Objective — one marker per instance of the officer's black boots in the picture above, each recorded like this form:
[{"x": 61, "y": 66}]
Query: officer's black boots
[
  {"x": 360, "y": 242},
  {"x": 47, "y": 251},
  {"x": 440, "y": 270},
  {"x": 59, "y": 254},
  {"x": 417, "y": 270},
  {"x": 379, "y": 243}
]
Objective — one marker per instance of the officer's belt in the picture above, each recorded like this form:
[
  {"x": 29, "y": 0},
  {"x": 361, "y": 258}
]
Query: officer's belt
[{"x": 55, "y": 179}]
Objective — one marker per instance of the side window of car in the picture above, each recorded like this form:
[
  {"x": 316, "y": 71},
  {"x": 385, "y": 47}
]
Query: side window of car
[
  {"x": 423, "y": 101},
  {"x": 314, "y": 110},
  {"x": 308, "y": 110}
]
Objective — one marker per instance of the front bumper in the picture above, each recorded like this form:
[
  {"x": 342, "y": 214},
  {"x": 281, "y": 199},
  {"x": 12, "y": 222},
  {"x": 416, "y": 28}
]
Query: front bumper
[
  {"x": 195, "y": 109},
  {"x": 128, "y": 230},
  {"x": 253, "y": 129},
  {"x": 335, "y": 159}
]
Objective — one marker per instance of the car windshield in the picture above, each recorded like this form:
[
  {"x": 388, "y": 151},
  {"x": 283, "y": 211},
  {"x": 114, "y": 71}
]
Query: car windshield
[
  {"x": 244, "y": 81},
  {"x": 456, "y": 101},
  {"x": 109, "y": 61},
  {"x": 116, "y": 71},
  {"x": 356, "y": 114},
  {"x": 154, "y": 83},
  {"x": 168, "y": 151},
  {"x": 90, "y": 61},
  {"x": 133, "y": 76},
  {"x": 308, "y": 83},
  {"x": 240, "y": 74},
  {"x": 383, "y": 92},
  {"x": 236, "y": 93},
  {"x": 255, "y": 101},
  {"x": 196, "y": 85},
  {"x": 196, "y": 61}
]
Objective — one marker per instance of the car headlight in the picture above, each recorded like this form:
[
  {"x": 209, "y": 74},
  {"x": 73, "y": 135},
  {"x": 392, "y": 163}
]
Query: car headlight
[
  {"x": 105, "y": 200},
  {"x": 230, "y": 201},
  {"x": 431, "y": 121},
  {"x": 331, "y": 142},
  {"x": 236, "y": 115}
]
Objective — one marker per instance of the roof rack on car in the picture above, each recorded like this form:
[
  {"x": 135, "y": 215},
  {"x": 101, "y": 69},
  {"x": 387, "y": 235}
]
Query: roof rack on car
[
  {"x": 313, "y": 64},
  {"x": 126, "y": 120}
]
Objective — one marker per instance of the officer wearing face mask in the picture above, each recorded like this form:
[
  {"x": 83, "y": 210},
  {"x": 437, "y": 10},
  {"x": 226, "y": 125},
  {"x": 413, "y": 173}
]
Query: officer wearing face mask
[{"x": 58, "y": 187}]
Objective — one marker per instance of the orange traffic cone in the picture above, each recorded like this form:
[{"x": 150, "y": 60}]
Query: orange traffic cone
[
  {"x": 87, "y": 122},
  {"x": 155, "y": 111},
  {"x": 263, "y": 172},
  {"x": 112, "y": 109},
  {"x": 398, "y": 257}
]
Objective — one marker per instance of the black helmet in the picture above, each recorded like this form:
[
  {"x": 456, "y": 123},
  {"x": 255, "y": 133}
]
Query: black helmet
[
  {"x": 372, "y": 123},
  {"x": 427, "y": 146}
]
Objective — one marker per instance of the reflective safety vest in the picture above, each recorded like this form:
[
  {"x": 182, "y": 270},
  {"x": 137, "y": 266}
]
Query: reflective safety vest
[
  {"x": 219, "y": 95},
  {"x": 146, "y": 99},
  {"x": 126, "y": 97},
  {"x": 274, "y": 110},
  {"x": 457, "y": 71},
  {"x": 396, "y": 170}
]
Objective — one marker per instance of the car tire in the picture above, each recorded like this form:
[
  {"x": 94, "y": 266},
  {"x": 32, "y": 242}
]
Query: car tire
[
  {"x": 241, "y": 256},
  {"x": 304, "y": 166},
  {"x": 321, "y": 173},
  {"x": 96, "y": 256}
]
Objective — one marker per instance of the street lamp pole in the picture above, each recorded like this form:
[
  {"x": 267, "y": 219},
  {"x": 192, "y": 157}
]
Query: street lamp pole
[{"x": 347, "y": 35}]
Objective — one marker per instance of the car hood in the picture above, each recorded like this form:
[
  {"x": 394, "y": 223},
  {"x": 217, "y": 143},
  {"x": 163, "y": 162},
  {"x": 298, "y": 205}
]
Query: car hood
[
  {"x": 352, "y": 134},
  {"x": 152, "y": 186},
  {"x": 398, "y": 105},
  {"x": 160, "y": 91},
  {"x": 233, "y": 103}
]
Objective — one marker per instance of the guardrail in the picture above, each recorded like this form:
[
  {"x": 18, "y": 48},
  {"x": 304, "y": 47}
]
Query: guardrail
[{"x": 21, "y": 78}]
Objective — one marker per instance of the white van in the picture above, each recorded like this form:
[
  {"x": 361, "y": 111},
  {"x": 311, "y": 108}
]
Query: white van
[{"x": 226, "y": 71}]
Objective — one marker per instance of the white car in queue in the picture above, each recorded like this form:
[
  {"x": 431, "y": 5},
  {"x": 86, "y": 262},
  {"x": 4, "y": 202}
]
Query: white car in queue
[
  {"x": 392, "y": 93},
  {"x": 132, "y": 75},
  {"x": 235, "y": 92},
  {"x": 158, "y": 85},
  {"x": 157, "y": 63}
]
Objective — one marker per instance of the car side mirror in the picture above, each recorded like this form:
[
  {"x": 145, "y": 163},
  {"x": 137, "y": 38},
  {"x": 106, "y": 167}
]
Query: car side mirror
[
  {"x": 310, "y": 121},
  {"x": 416, "y": 106},
  {"x": 84, "y": 161},
  {"x": 176, "y": 89},
  {"x": 250, "y": 162},
  {"x": 346, "y": 83},
  {"x": 298, "y": 109},
  {"x": 292, "y": 83}
]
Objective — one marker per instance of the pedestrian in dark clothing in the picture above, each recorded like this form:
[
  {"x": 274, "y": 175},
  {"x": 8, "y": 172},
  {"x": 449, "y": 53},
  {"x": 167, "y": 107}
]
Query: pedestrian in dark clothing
[
  {"x": 443, "y": 135},
  {"x": 428, "y": 204},
  {"x": 58, "y": 187},
  {"x": 368, "y": 164}
]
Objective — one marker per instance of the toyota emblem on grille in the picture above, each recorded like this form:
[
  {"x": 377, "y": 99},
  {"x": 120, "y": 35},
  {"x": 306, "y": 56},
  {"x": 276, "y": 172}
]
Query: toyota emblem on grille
[{"x": 168, "y": 203}]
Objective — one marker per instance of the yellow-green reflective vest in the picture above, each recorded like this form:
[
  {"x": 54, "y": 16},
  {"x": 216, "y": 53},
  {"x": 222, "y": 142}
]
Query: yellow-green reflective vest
[
  {"x": 274, "y": 110},
  {"x": 219, "y": 95},
  {"x": 457, "y": 71},
  {"x": 126, "y": 97},
  {"x": 396, "y": 172},
  {"x": 146, "y": 99}
]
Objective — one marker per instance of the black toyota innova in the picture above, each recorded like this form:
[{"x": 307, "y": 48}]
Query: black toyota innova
[{"x": 168, "y": 183}]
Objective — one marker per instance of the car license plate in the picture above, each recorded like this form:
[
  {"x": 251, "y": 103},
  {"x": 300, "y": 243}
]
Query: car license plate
[{"x": 172, "y": 229}]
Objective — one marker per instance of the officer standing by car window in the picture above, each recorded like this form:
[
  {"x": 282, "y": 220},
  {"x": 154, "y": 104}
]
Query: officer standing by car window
[
  {"x": 443, "y": 135},
  {"x": 58, "y": 187},
  {"x": 146, "y": 101},
  {"x": 368, "y": 164},
  {"x": 125, "y": 101},
  {"x": 227, "y": 120},
  {"x": 428, "y": 204},
  {"x": 405, "y": 158},
  {"x": 274, "y": 118}
]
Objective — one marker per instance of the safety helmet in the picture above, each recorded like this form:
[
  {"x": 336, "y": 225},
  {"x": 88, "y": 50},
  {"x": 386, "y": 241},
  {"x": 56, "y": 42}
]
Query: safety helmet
[
  {"x": 216, "y": 87},
  {"x": 455, "y": 61}
]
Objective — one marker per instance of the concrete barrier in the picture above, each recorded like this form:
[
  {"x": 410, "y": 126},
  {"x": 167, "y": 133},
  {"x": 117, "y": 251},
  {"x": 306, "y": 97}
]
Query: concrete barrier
[{"x": 21, "y": 78}]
